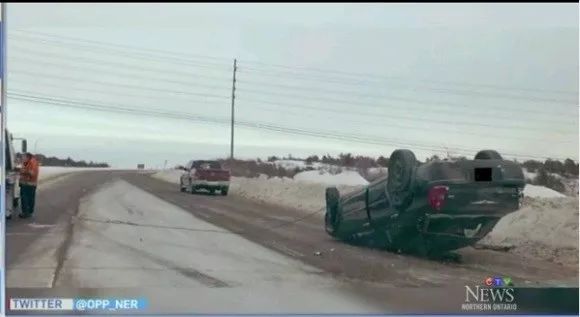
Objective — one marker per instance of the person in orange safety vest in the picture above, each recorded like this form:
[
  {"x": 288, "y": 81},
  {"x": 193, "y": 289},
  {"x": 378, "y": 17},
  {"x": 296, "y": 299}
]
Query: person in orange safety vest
[{"x": 28, "y": 183}]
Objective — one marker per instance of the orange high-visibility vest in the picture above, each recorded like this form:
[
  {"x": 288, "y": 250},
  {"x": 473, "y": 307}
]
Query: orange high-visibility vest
[{"x": 29, "y": 172}]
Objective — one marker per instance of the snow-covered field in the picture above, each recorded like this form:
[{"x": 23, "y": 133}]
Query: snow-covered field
[{"x": 546, "y": 226}]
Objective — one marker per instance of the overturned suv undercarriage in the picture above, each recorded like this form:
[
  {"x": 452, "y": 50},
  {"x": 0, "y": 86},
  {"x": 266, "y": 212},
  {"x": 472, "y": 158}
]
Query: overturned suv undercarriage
[{"x": 428, "y": 208}]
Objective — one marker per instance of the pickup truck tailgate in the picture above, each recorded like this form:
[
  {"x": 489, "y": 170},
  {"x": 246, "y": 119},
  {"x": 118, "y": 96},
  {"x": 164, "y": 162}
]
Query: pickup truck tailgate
[{"x": 213, "y": 174}]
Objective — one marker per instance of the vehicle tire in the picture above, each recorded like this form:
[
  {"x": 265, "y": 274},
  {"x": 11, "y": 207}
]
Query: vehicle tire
[
  {"x": 488, "y": 155},
  {"x": 224, "y": 191},
  {"x": 332, "y": 217},
  {"x": 401, "y": 179}
]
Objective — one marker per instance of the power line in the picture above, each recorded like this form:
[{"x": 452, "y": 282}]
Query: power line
[
  {"x": 126, "y": 54},
  {"x": 255, "y": 125},
  {"x": 411, "y": 100},
  {"x": 293, "y": 87},
  {"x": 293, "y": 68},
  {"x": 140, "y": 49},
  {"x": 439, "y": 90},
  {"x": 398, "y": 117},
  {"x": 266, "y": 84},
  {"x": 108, "y": 92},
  {"x": 413, "y": 118},
  {"x": 112, "y": 84},
  {"x": 355, "y": 113},
  {"x": 416, "y": 88},
  {"x": 391, "y": 106},
  {"x": 327, "y": 116},
  {"x": 69, "y": 58},
  {"x": 384, "y": 77},
  {"x": 326, "y": 112},
  {"x": 122, "y": 74}
]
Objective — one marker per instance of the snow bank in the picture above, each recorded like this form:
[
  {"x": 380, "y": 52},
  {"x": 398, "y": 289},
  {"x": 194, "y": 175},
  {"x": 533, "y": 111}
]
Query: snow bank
[
  {"x": 541, "y": 192},
  {"x": 349, "y": 178},
  {"x": 529, "y": 175},
  {"x": 170, "y": 176},
  {"x": 305, "y": 194},
  {"x": 292, "y": 164},
  {"x": 545, "y": 228}
]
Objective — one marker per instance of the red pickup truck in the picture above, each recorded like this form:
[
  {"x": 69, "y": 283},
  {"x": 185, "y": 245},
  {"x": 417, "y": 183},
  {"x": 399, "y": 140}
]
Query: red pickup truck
[{"x": 208, "y": 175}]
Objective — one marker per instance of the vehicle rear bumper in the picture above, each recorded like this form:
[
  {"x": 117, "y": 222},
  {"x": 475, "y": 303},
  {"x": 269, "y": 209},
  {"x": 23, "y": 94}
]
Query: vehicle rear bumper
[{"x": 210, "y": 184}]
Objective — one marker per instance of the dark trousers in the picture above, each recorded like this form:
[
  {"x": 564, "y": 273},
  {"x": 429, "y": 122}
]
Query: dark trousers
[{"x": 27, "y": 197}]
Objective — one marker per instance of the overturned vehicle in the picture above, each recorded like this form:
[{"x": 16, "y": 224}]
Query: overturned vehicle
[{"x": 428, "y": 208}]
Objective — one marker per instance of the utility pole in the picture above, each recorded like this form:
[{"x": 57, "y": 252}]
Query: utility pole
[{"x": 233, "y": 112}]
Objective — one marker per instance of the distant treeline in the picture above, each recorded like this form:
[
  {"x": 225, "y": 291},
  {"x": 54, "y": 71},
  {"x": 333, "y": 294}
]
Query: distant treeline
[
  {"x": 68, "y": 162},
  {"x": 547, "y": 172},
  {"x": 567, "y": 168}
]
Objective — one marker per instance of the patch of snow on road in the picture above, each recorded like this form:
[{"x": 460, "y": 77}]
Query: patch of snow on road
[
  {"x": 546, "y": 228},
  {"x": 535, "y": 191}
]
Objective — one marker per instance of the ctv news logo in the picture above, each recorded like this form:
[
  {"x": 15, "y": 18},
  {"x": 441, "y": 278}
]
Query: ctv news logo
[{"x": 494, "y": 294}]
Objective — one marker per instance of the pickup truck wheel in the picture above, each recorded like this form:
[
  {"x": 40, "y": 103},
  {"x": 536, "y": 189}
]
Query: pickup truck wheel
[
  {"x": 402, "y": 168},
  {"x": 488, "y": 155},
  {"x": 332, "y": 218}
]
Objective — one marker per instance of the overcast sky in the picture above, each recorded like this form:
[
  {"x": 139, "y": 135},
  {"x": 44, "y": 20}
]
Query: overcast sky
[{"x": 429, "y": 77}]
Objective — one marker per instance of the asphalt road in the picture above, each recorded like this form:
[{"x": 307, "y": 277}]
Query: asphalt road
[{"x": 236, "y": 244}]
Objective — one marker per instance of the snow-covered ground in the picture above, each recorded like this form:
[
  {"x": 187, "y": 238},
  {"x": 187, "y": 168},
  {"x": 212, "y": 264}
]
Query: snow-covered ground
[
  {"x": 304, "y": 193},
  {"x": 122, "y": 240},
  {"x": 170, "y": 176},
  {"x": 541, "y": 192},
  {"x": 529, "y": 175},
  {"x": 348, "y": 178},
  {"x": 545, "y": 227},
  {"x": 292, "y": 164}
]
